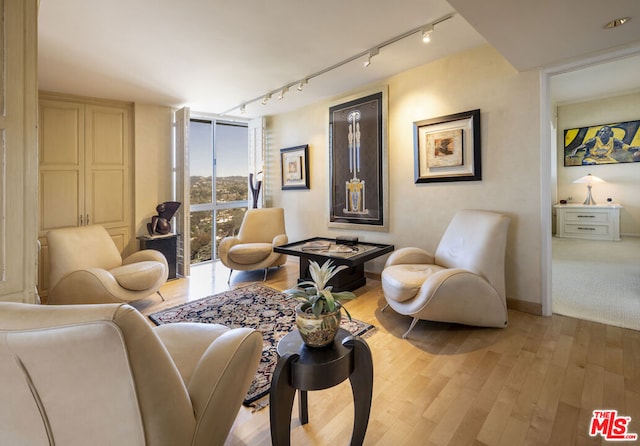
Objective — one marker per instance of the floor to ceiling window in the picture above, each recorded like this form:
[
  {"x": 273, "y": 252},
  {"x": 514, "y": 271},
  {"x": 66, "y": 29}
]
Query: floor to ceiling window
[{"x": 218, "y": 171}]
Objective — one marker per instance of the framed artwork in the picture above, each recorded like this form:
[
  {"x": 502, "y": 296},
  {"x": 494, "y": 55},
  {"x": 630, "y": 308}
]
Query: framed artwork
[
  {"x": 602, "y": 144},
  {"x": 358, "y": 163},
  {"x": 448, "y": 148},
  {"x": 295, "y": 169}
]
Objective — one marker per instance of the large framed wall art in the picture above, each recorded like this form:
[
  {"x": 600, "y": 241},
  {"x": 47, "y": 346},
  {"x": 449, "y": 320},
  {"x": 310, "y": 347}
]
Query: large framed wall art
[
  {"x": 602, "y": 144},
  {"x": 447, "y": 148},
  {"x": 358, "y": 163}
]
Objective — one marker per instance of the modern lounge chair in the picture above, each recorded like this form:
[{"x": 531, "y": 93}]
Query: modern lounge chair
[
  {"x": 252, "y": 248},
  {"x": 86, "y": 267},
  {"x": 78, "y": 375},
  {"x": 462, "y": 283}
]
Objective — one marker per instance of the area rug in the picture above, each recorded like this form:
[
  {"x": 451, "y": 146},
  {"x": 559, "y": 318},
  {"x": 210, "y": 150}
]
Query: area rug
[{"x": 257, "y": 306}]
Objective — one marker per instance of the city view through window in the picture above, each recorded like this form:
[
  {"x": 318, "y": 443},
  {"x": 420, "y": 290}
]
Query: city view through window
[{"x": 220, "y": 150}]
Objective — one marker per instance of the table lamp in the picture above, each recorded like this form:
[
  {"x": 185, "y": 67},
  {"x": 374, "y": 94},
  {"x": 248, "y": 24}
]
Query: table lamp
[{"x": 589, "y": 180}]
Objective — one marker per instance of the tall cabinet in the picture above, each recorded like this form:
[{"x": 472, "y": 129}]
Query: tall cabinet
[
  {"x": 85, "y": 169},
  {"x": 18, "y": 148}
]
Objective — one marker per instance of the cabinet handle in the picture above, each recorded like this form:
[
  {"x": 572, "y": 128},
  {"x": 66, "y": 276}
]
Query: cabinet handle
[
  {"x": 87, "y": 219},
  {"x": 586, "y": 216},
  {"x": 81, "y": 221},
  {"x": 586, "y": 229}
]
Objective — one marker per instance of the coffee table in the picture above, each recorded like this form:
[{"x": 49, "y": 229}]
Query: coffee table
[{"x": 354, "y": 257}]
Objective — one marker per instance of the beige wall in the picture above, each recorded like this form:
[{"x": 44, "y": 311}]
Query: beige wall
[
  {"x": 419, "y": 213},
  {"x": 622, "y": 180},
  {"x": 153, "y": 162}
]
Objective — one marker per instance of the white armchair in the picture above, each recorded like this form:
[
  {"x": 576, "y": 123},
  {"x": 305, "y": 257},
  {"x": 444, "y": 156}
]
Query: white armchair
[
  {"x": 86, "y": 267},
  {"x": 462, "y": 283},
  {"x": 252, "y": 248},
  {"x": 79, "y": 375}
]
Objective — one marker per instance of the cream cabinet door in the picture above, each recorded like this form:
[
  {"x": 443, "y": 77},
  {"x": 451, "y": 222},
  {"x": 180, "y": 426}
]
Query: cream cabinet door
[
  {"x": 107, "y": 200},
  {"x": 61, "y": 162}
]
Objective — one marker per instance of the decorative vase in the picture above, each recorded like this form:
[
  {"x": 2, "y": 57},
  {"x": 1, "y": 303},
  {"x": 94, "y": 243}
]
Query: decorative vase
[{"x": 317, "y": 331}]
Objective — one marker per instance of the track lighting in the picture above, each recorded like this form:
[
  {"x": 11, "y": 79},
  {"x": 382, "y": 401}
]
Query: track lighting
[
  {"x": 372, "y": 52},
  {"x": 426, "y": 33},
  {"x": 424, "y": 30},
  {"x": 243, "y": 109}
]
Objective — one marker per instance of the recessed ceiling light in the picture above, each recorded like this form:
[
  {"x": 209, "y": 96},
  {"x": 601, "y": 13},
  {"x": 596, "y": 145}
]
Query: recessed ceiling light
[{"x": 617, "y": 22}]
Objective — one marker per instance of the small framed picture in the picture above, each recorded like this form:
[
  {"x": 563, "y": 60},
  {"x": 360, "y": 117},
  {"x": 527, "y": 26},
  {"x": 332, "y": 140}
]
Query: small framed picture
[
  {"x": 295, "y": 169},
  {"x": 448, "y": 148}
]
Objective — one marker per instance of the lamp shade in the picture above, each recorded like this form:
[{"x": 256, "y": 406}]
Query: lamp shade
[{"x": 589, "y": 179}]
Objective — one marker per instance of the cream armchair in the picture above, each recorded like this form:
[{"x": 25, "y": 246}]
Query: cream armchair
[
  {"x": 462, "y": 283},
  {"x": 86, "y": 267},
  {"x": 252, "y": 248},
  {"x": 78, "y": 375}
]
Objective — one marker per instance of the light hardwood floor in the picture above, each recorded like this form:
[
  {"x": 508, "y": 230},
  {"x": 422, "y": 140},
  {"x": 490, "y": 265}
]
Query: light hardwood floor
[{"x": 535, "y": 382}]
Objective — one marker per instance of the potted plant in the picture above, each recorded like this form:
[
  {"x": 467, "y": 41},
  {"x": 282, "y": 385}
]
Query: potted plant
[{"x": 319, "y": 313}]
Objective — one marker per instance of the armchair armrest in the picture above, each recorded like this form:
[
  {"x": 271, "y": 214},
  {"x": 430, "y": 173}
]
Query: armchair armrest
[
  {"x": 409, "y": 256},
  {"x": 144, "y": 256},
  {"x": 225, "y": 245},
  {"x": 280, "y": 239}
]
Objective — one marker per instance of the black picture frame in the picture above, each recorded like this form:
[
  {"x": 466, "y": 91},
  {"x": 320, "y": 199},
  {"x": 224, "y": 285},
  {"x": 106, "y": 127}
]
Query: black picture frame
[
  {"x": 448, "y": 148},
  {"x": 295, "y": 167},
  {"x": 358, "y": 164}
]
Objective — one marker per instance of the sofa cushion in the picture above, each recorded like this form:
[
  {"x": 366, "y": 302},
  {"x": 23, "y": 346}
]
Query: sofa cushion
[
  {"x": 402, "y": 282},
  {"x": 138, "y": 276},
  {"x": 250, "y": 253}
]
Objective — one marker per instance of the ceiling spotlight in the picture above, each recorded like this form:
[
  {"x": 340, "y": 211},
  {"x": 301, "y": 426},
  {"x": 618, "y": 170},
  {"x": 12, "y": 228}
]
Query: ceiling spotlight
[
  {"x": 243, "y": 109},
  {"x": 266, "y": 99},
  {"x": 282, "y": 93},
  {"x": 426, "y": 33},
  {"x": 302, "y": 83},
  {"x": 617, "y": 22},
  {"x": 372, "y": 53}
]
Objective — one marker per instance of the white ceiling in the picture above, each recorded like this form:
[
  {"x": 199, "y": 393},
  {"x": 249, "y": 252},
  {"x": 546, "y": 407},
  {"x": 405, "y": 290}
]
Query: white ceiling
[{"x": 214, "y": 55}]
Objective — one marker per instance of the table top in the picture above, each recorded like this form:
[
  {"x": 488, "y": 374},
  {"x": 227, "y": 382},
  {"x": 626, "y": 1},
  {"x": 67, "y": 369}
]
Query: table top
[
  {"x": 292, "y": 343},
  {"x": 323, "y": 248}
]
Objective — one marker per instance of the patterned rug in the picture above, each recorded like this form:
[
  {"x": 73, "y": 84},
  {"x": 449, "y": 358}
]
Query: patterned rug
[{"x": 257, "y": 306}]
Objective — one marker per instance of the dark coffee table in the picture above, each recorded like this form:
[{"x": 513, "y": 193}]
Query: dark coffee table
[{"x": 352, "y": 256}]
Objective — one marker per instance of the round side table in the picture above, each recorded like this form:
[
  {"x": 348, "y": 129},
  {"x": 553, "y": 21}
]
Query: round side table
[{"x": 304, "y": 368}]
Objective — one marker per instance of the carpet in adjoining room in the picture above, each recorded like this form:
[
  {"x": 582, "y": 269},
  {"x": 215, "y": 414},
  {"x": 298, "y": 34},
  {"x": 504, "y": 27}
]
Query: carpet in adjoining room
[{"x": 257, "y": 306}]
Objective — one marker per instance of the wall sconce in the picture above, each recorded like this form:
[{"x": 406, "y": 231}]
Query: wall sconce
[{"x": 589, "y": 180}]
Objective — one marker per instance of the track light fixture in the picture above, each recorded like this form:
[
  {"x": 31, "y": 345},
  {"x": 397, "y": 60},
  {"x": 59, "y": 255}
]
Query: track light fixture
[
  {"x": 424, "y": 30},
  {"x": 302, "y": 83},
  {"x": 283, "y": 92},
  {"x": 372, "y": 52},
  {"x": 243, "y": 109},
  {"x": 426, "y": 33}
]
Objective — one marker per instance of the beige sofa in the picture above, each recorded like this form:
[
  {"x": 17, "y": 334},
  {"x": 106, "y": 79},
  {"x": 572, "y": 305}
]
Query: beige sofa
[{"x": 78, "y": 375}]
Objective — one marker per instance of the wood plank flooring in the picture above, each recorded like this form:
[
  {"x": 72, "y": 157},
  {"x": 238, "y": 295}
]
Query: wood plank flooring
[{"x": 535, "y": 382}]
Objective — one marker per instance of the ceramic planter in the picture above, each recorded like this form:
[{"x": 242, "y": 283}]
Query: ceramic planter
[{"x": 317, "y": 331}]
